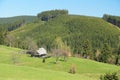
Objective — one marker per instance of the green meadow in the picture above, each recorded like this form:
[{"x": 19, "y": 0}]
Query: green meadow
[{"x": 17, "y": 66}]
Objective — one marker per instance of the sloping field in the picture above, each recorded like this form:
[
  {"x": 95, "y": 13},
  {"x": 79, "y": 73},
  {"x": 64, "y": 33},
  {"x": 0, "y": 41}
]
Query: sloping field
[{"x": 16, "y": 66}]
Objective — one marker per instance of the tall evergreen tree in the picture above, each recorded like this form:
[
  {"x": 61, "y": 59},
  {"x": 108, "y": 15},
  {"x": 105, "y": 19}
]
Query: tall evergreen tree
[
  {"x": 87, "y": 49},
  {"x": 106, "y": 53},
  {"x": 2, "y": 35}
]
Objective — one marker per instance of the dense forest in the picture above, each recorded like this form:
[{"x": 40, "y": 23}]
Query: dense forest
[
  {"x": 87, "y": 37},
  {"x": 13, "y": 26}
]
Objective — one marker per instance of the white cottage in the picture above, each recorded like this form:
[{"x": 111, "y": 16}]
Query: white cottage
[{"x": 41, "y": 52}]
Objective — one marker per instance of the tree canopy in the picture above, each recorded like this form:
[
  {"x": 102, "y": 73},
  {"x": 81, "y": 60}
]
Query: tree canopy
[
  {"x": 112, "y": 19},
  {"x": 47, "y": 15}
]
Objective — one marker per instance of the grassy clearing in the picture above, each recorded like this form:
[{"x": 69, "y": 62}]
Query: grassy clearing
[
  {"x": 27, "y": 66},
  {"x": 12, "y": 72}
]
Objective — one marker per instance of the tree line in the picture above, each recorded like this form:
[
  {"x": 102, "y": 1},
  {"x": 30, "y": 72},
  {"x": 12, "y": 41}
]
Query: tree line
[
  {"x": 14, "y": 25},
  {"x": 112, "y": 19}
]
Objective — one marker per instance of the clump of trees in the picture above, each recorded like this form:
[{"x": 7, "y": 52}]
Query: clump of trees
[
  {"x": 3, "y": 32},
  {"x": 106, "y": 53},
  {"x": 112, "y": 19},
  {"x": 10, "y": 40},
  {"x": 13, "y": 25},
  {"x": 47, "y": 15},
  {"x": 61, "y": 49},
  {"x": 31, "y": 46},
  {"x": 117, "y": 57}
]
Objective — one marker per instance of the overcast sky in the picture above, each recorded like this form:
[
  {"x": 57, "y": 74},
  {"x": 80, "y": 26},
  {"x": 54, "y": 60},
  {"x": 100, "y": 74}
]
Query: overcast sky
[{"x": 9, "y": 8}]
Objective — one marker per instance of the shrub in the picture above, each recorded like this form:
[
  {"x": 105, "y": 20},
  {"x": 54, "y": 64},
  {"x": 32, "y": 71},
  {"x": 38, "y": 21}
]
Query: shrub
[
  {"x": 109, "y": 76},
  {"x": 15, "y": 58},
  {"x": 72, "y": 69}
]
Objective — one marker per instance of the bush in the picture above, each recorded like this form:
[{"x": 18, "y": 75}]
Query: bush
[
  {"x": 15, "y": 58},
  {"x": 72, "y": 69},
  {"x": 109, "y": 76}
]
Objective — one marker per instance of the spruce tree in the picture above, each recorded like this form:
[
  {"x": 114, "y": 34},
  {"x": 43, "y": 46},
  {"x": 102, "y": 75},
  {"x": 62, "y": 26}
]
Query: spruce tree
[
  {"x": 2, "y": 35},
  {"x": 87, "y": 49},
  {"x": 105, "y": 53}
]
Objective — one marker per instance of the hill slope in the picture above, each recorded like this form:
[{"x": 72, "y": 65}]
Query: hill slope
[
  {"x": 28, "y": 68},
  {"x": 11, "y": 72},
  {"x": 73, "y": 30}
]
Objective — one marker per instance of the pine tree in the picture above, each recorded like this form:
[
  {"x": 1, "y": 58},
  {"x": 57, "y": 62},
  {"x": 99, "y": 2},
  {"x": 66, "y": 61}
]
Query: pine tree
[
  {"x": 105, "y": 53},
  {"x": 2, "y": 35},
  {"x": 87, "y": 49}
]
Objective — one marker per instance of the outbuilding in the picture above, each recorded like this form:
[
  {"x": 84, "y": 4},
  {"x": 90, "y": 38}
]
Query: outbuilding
[{"x": 42, "y": 52}]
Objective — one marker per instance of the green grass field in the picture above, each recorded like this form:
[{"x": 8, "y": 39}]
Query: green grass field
[
  {"x": 12, "y": 72},
  {"x": 15, "y": 66}
]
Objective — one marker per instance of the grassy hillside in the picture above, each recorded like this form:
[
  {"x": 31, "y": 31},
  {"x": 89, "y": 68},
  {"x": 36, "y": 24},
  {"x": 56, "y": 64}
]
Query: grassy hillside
[
  {"x": 10, "y": 72},
  {"x": 73, "y": 30},
  {"x": 27, "y": 68},
  {"x": 17, "y": 18}
]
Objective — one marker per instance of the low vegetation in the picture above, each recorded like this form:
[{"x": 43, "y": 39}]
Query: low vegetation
[
  {"x": 12, "y": 72},
  {"x": 84, "y": 69},
  {"x": 110, "y": 76},
  {"x": 72, "y": 69}
]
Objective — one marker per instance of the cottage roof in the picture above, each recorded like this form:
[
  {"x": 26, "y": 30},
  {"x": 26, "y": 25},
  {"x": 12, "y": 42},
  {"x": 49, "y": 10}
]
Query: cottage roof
[{"x": 41, "y": 51}]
